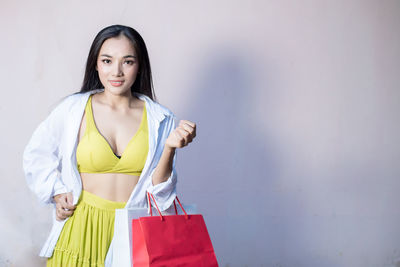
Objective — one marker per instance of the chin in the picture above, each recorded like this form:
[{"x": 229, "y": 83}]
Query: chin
[{"x": 118, "y": 90}]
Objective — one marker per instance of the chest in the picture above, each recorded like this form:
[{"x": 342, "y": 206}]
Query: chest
[{"x": 118, "y": 131}]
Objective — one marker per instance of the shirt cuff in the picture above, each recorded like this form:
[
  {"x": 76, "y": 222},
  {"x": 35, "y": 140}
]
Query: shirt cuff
[
  {"x": 164, "y": 193},
  {"x": 59, "y": 188}
]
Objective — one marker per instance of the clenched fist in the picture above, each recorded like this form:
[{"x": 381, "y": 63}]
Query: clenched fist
[
  {"x": 182, "y": 135},
  {"x": 64, "y": 207}
]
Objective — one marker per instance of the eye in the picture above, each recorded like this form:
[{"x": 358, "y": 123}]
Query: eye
[
  {"x": 130, "y": 62},
  {"x": 106, "y": 61}
]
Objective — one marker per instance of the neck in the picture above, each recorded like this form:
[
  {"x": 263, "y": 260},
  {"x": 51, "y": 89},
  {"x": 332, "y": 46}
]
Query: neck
[{"x": 116, "y": 101}]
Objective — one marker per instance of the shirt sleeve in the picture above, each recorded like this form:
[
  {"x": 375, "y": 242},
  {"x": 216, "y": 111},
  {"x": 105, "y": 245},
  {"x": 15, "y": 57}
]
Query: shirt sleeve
[
  {"x": 164, "y": 193},
  {"x": 42, "y": 160}
]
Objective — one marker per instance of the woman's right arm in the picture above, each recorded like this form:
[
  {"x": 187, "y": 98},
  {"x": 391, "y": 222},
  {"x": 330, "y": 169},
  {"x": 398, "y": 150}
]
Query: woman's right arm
[{"x": 41, "y": 157}]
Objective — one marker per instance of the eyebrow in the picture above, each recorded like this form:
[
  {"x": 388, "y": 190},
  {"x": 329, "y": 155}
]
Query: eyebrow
[{"x": 105, "y": 55}]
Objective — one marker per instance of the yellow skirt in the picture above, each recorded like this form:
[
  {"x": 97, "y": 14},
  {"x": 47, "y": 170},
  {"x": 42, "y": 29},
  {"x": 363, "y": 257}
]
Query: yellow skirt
[{"x": 86, "y": 236}]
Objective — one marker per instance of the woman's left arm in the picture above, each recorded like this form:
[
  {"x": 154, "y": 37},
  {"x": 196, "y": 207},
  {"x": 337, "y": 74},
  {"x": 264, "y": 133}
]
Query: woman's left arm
[
  {"x": 164, "y": 176},
  {"x": 178, "y": 138}
]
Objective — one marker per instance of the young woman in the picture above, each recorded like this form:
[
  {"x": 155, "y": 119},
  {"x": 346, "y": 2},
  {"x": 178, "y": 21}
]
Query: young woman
[{"x": 103, "y": 148}]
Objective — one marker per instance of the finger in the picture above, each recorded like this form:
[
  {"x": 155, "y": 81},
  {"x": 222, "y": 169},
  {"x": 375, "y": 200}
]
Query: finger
[
  {"x": 59, "y": 216},
  {"x": 55, "y": 197},
  {"x": 189, "y": 129},
  {"x": 69, "y": 199},
  {"x": 189, "y": 133},
  {"x": 179, "y": 138},
  {"x": 62, "y": 213},
  {"x": 192, "y": 124},
  {"x": 185, "y": 135},
  {"x": 184, "y": 122},
  {"x": 66, "y": 213},
  {"x": 64, "y": 203}
]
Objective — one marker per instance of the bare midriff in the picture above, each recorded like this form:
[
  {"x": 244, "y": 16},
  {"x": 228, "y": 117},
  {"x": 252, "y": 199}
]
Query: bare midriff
[{"x": 111, "y": 186}]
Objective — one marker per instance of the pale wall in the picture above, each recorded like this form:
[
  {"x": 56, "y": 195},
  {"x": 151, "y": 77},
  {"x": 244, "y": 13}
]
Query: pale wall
[{"x": 296, "y": 162}]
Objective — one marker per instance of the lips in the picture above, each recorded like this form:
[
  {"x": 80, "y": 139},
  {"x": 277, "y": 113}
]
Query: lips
[{"x": 116, "y": 83}]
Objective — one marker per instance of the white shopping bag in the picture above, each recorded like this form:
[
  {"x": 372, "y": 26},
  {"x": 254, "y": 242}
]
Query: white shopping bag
[{"x": 120, "y": 251}]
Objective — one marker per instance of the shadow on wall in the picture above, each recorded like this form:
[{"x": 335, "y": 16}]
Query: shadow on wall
[{"x": 233, "y": 167}]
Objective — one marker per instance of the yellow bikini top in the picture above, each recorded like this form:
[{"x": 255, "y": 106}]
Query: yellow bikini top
[{"x": 94, "y": 154}]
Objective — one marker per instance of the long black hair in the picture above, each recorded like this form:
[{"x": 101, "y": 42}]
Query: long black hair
[{"x": 143, "y": 83}]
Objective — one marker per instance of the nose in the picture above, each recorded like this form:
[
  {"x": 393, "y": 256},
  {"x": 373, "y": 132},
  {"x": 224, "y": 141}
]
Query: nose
[{"x": 117, "y": 71}]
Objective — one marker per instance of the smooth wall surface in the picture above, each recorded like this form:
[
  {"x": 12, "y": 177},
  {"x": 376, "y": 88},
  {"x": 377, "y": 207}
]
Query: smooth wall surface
[{"x": 296, "y": 161}]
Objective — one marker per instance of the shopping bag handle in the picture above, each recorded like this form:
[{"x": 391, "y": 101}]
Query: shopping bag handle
[{"x": 150, "y": 196}]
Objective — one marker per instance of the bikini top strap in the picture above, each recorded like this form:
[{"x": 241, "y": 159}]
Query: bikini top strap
[{"x": 89, "y": 114}]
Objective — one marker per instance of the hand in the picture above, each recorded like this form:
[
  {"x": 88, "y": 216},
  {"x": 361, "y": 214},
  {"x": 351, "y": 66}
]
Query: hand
[
  {"x": 64, "y": 207},
  {"x": 182, "y": 135}
]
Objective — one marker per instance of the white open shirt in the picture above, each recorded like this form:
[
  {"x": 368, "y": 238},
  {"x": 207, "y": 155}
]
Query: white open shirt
[{"x": 50, "y": 167}]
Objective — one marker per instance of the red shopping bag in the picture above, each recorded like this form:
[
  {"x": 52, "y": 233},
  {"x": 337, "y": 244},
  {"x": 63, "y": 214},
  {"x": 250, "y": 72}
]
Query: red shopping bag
[{"x": 171, "y": 240}]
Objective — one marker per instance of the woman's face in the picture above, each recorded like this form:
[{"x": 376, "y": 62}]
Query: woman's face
[{"x": 117, "y": 65}]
